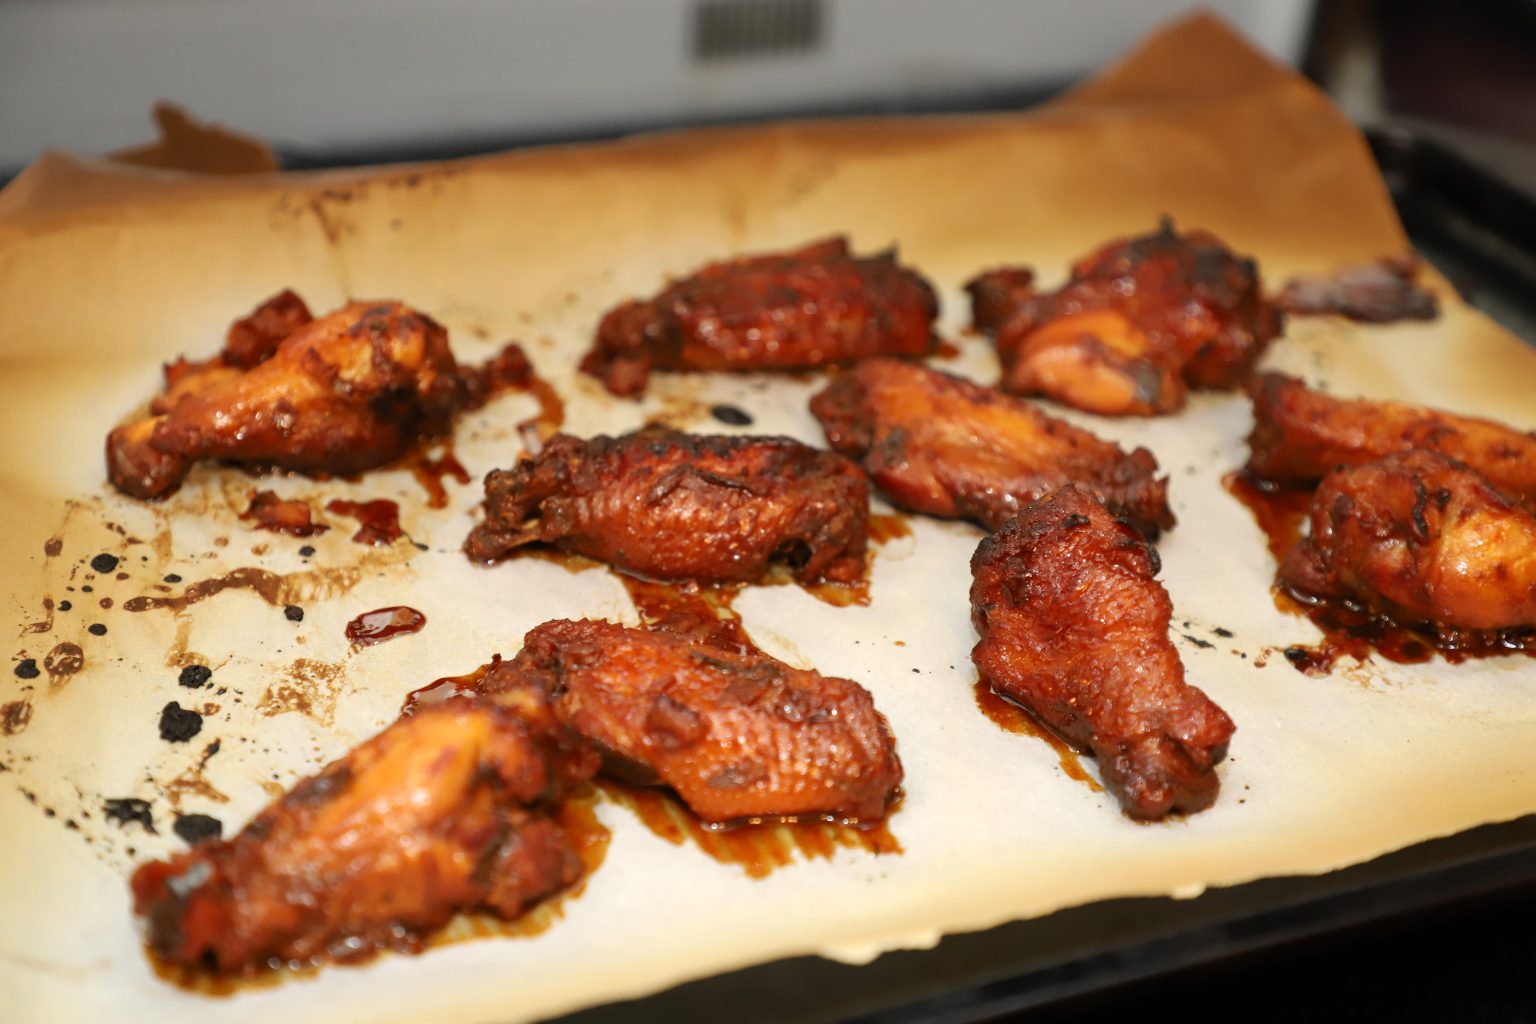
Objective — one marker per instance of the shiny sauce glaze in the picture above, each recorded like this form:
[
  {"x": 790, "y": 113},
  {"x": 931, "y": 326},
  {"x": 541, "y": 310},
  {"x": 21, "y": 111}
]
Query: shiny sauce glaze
[
  {"x": 383, "y": 624},
  {"x": 429, "y": 472},
  {"x": 1014, "y": 717},
  {"x": 378, "y": 521},
  {"x": 1349, "y": 629}
]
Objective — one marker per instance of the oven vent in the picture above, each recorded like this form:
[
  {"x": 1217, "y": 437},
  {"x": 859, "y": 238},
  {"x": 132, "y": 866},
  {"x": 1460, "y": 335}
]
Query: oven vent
[{"x": 734, "y": 29}]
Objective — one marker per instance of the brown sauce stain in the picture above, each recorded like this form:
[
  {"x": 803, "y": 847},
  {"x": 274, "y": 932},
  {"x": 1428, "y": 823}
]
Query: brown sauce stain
[
  {"x": 53, "y": 546},
  {"x": 446, "y": 688},
  {"x": 1014, "y": 717},
  {"x": 378, "y": 521},
  {"x": 839, "y": 595},
  {"x": 758, "y": 846},
  {"x": 15, "y": 716},
  {"x": 193, "y": 782},
  {"x": 690, "y": 609},
  {"x": 383, "y": 624},
  {"x": 1348, "y": 628},
  {"x": 45, "y": 625},
  {"x": 429, "y": 472},
  {"x": 946, "y": 349},
  {"x": 567, "y": 560},
  {"x": 309, "y": 687},
  {"x": 291, "y": 516},
  {"x": 883, "y": 528},
  {"x": 63, "y": 661},
  {"x": 313, "y": 584},
  {"x": 551, "y": 415}
]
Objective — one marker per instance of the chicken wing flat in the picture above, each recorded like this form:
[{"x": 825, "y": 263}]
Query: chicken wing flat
[
  {"x": 1139, "y": 322},
  {"x": 944, "y": 446},
  {"x": 1419, "y": 538},
  {"x": 1074, "y": 627},
  {"x": 783, "y": 311},
  {"x": 735, "y": 733},
  {"x": 1375, "y": 293},
  {"x": 444, "y": 811},
  {"x": 1301, "y": 435},
  {"x": 680, "y": 506},
  {"x": 342, "y": 394}
]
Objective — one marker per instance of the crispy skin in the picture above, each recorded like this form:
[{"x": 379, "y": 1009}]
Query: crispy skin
[
  {"x": 443, "y": 811},
  {"x": 1301, "y": 435},
  {"x": 781, "y": 311},
  {"x": 680, "y": 506},
  {"x": 342, "y": 394},
  {"x": 1075, "y": 628},
  {"x": 1419, "y": 538},
  {"x": 941, "y": 445},
  {"x": 1375, "y": 293},
  {"x": 253, "y": 339},
  {"x": 1139, "y": 322},
  {"x": 735, "y": 733}
]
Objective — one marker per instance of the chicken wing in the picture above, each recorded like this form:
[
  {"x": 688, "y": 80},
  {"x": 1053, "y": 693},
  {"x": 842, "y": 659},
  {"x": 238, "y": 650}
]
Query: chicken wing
[
  {"x": 1074, "y": 627},
  {"x": 679, "y": 506},
  {"x": 941, "y": 445},
  {"x": 1301, "y": 435},
  {"x": 782, "y": 311},
  {"x": 446, "y": 810},
  {"x": 1139, "y": 322},
  {"x": 1375, "y": 293},
  {"x": 735, "y": 733},
  {"x": 1419, "y": 538},
  {"x": 341, "y": 394}
]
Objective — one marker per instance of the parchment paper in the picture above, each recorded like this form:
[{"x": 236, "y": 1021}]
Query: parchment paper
[{"x": 107, "y": 270}]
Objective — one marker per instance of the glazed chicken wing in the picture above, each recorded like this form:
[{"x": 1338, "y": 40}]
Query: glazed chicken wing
[
  {"x": 679, "y": 506},
  {"x": 735, "y": 733},
  {"x": 444, "y": 811},
  {"x": 941, "y": 445},
  {"x": 1301, "y": 435},
  {"x": 341, "y": 394},
  {"x": 1419, "y": 538},
  {"x": 1375, "y": 293},
  {"x": 781, "y": 311},
  {"x": 1139, "y": 322},
  {"x": 1074, "y": 627}
]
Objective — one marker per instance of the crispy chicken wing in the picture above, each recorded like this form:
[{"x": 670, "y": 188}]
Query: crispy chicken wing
[
  {"x": 1300, "y": 435},
  {"x": 1138, "y": 323},
  {"x": 735, "y": 733},
  {"x": 1074, "y": 627},
  {"x": 1376, "y": 293},
  {"x": 444, "y": 811},
  {"x": 341, "y": 394},
  {"x": 681, "y": 506},
  {"x": 1419, "y": 538},
  {"x": 941, "y": 445},
  {"x": 782, "y": 311}
]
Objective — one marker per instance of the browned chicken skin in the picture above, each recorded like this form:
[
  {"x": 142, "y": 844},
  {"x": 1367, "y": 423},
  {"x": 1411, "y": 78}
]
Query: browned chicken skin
[
  {"x": 444, "y": 811},
  {"x": 1419, "y": 538},
  {"x": 1375, "y": 293},
  {"x": 1139, "y": 322},
  {"x": 342, "y": 394},
  {"x": 941, "y": 445},
  {"x": 1074, "y": 627},
  {"x": 681, "y": 506},
  {"x": 1300, "y": 435},
  {"x": 781, "y": 311},
  {"x": 735, "y": 733}
]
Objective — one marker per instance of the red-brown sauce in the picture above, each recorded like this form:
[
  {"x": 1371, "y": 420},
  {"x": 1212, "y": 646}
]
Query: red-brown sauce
[
  {"x": 383, "y": 624},
  {"x": 292, "y": 516},
  {"x": 446, "y": 688},
  {"x": 429, "y": 472},
  {"x": 1348, "y": 629},
  {"x": 378, "y": 521},
  {"x": 883, "y": 529},
  {"x": 1014, "y": 717},
  {"x": 946, "y": 349},
  {"x": 267, "y": 585},
  {"x": 690, "y": 608}
]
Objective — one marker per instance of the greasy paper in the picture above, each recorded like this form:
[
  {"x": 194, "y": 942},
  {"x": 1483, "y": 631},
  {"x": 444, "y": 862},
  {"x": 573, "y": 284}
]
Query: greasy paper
[{"x": 106, "y": 271}]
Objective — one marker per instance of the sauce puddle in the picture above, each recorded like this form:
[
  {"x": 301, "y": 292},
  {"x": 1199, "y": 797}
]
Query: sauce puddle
[
  {"x": 1014, "y": 717},
  {"x": 378, "y": 521},
  {"x": 383, "y": 624}
]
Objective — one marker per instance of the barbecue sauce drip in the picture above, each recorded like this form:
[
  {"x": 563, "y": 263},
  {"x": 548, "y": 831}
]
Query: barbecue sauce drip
[
  {"x": 1014, "y": 717},
  {"x": 378, "y": 521},
  {"x": 1349, "y": 629},
  {"x": 447, "y": 688},
  {"x": 383, "y": 624},
  {"x": 429, "y": 472},
  {"x": 883, "y": 529},
  {"x": 690, "y": 609}
]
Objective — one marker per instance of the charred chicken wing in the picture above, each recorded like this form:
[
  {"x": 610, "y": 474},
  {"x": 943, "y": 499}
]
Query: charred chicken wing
[
  {"x": 941, "y": 445},
  {"x": 1419, "y": 538},
  {"x": 1074, "y": 627},
  {"x": 1375, "y": 293},
  {"x": 1138, "y": 323},
  {"x": 1301, "y": 435},
  {"x": 341, "y": 394},
  {"x": 443, "y": 811},
  {"x": 782, "y": 311},
  {"x": 680, "y": 506},
  {"x": 735, "y": 733}
]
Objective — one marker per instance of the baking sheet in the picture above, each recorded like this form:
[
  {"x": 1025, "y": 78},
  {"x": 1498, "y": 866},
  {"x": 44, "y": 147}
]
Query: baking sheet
[{"x": 105, "y": 272}]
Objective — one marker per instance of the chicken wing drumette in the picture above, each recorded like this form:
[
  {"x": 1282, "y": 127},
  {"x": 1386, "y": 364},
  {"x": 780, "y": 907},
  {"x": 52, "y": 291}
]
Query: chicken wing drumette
[
  {"x": 1139, "y": 322},
  {"x": 447, "y": 810},
  {"x": 942, "y": 445},
  {"x": 680, "y": 506},
  {"x": 1421, "y": 539},
  {"x": 735, "y": 733},
  {"x": 1301, "y": 435},
  {"x": 342, "y": 394},
  {"x": 783, "y": 311},
  {"x": 1074, "y": 627}
]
